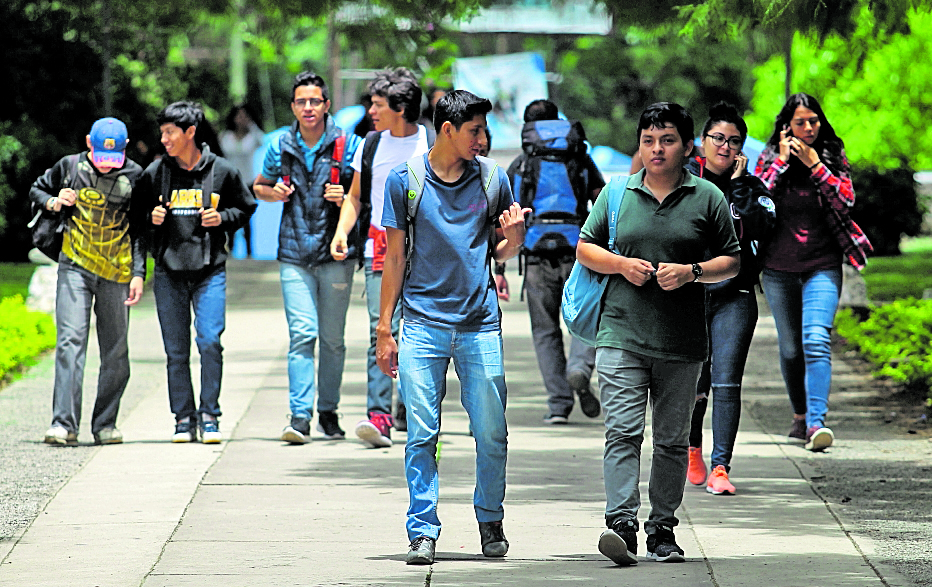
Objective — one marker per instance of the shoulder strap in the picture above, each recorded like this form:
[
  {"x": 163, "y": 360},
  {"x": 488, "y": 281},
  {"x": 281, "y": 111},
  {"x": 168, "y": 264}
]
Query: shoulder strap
[
  {"x": 417, "y": 175},
  {"x": 368, "y": 159},
  {"x": 165, "y": 196},
  {"x": 616, "y": 195},
  {"x": 207, "y": 186},
  {"x": 488, "y": 174},
  {"x": 285, "y": 166}
]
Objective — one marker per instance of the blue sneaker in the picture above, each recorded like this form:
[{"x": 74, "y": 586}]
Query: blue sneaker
[
  {"x": 210, "y": 432},
  {"x": 185, "y": 431}
]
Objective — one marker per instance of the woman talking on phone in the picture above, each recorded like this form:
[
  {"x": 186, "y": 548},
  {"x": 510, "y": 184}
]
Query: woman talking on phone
[
  {"x": 805, "y": 168},
  {"x": 731, "y": 305}
]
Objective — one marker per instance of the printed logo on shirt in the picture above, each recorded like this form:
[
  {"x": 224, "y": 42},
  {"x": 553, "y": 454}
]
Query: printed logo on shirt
[{"x": 189, "y": 202}]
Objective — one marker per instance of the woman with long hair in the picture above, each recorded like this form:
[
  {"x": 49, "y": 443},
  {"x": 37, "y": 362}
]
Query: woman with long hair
[
  {"x": 731, "y": 305},
  {"x": 805, "y": 168}
]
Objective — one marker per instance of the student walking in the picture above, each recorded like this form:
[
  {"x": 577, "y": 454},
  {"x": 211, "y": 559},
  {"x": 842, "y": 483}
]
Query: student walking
[
  {"x": 450, "y": 311},
  {"x": 652, "y": 337},
  {"x": 805, "y": 168},
  {"x": 101, "y": 264}
]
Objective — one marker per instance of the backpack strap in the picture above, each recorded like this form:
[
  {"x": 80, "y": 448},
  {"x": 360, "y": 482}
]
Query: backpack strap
[
  {"x": 336, "y": 159},
  {"x": 616, "y": 195},
  {"x": 488, "y": 174},
  {"x": 165, "y": 195}
]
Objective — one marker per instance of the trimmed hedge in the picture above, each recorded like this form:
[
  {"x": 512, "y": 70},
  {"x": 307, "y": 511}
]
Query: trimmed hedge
[{"x": 24, "y": 333}]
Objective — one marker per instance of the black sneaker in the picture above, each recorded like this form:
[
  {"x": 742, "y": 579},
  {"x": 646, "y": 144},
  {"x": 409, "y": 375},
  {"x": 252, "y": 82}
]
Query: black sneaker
[
  {"x": 492, "y": 535},
  {"x": 662, "y": 547},
  {"x": 579, "y": 384},
  {"x": 185, "y": 431},
  {"x": 421, "y": 551},
  {"x": 620, "y": 542},
  {"x": 298, "y": 432},
  {"x": 327, "y": 423},
  {"x": 401, "y": 418}
]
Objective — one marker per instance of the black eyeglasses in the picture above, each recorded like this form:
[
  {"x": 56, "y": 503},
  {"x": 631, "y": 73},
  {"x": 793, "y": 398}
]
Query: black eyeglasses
[
  {"x": 314, "y": 102},
  {"x": 719, "y": 139}
]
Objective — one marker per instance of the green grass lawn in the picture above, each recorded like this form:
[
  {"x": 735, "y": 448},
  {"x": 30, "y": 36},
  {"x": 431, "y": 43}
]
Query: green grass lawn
[
  {"x": 15, "y": 279},
  {"x": 908, "y": 275}
]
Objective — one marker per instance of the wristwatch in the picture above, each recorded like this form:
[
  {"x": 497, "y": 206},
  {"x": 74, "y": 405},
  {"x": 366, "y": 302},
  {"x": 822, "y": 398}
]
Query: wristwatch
[{"x": 697, "y": 271}]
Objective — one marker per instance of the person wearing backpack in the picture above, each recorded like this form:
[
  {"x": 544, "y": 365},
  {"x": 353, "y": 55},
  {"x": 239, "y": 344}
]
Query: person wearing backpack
[
  {"x": 101, "y": 263},
  {"x": 652, "y": 338},
  {"x": 557, "y": 179},
  {"x": 731, "y": 305},
  {"x": 445, "y": 205},
  {"x": 197, "y": 201},
  {"x": 309, "y": 170},
  {"x": 396, "y": 102}
]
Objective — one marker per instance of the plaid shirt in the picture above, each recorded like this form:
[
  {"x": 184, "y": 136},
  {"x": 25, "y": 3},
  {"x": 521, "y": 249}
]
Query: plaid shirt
[{"x": 835, "y": 194}]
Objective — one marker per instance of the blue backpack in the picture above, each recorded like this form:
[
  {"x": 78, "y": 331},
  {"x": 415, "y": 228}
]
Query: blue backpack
[
  {"x": 552, "y": 182},
  {"x": 585, "y": 288}
]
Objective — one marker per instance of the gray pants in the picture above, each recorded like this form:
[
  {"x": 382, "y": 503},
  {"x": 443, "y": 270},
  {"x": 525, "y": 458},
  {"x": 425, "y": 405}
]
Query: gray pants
[
  {"x": 543, "y": 283},
  {"x": 77, "y": 290},
  {"x": 628, "y": 381}
]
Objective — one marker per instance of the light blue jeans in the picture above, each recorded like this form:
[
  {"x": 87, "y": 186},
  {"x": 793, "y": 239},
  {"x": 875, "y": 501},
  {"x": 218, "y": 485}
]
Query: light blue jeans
[
  {"x": 424, "y": 355},
  {"x": 803, "y": 307},
  {"x": 316, "y": 300},
  {"x": 627, "y": 381},
  {"x": 379, "y": 389}
]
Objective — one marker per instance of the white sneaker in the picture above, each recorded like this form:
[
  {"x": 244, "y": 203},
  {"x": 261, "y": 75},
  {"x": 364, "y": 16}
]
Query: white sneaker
[
  {"x": 210, "y": 432},
  {"x": 108, "y": 436},
  {"x": 57, "y": 435}
]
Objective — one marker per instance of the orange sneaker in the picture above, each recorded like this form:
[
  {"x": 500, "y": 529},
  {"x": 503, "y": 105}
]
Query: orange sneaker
[
  {"x": 719, "y": 483},
  {"x": 696, "y": 473}
]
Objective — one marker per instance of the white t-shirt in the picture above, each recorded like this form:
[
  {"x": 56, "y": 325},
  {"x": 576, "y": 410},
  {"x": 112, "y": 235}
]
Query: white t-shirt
[{"x": 390, "y": 153}]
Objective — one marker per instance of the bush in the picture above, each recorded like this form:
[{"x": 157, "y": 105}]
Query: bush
[
  {"x": 24, "y": 334},
  {"x": 888, "y": 206},
  {"x": 896, "y": 338}
]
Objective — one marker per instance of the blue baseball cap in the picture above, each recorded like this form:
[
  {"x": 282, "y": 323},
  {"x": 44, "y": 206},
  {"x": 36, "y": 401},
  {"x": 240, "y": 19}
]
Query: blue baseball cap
[{"x": 108, "y": 143}]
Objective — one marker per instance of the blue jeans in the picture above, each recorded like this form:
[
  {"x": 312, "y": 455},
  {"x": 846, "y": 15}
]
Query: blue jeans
[
  {"x": 424, "y": 355},
  {"x": 77, "y": 290},
  {"x": 176, "y": 293},
  {"x": 803, "y": 307},
  {"x": 316, "y": 300},
  {"x": 731, "y": 316},
  {"x": 543, "y": 282},
  {"x": 627, "y": 381},
  {"x": 379, "y": 391}
]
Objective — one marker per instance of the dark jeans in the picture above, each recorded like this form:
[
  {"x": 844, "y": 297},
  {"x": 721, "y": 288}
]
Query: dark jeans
[
  {"x": 731, "y": 317},
  {"x": 176, "y": 293},
  {"x": 543, "y": 282}
]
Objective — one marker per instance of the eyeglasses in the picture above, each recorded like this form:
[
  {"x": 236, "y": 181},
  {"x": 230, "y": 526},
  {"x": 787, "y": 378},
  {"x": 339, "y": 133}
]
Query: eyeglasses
[
  {"x": 314, "y": 102},
  {"x": 734, "y": 142}
]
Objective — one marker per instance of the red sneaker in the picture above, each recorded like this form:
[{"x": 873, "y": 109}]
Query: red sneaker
[
  {"x": 696, "y": 473},
  {"x": 719, "y": 483},
  {"x": 376, "y": 432}
]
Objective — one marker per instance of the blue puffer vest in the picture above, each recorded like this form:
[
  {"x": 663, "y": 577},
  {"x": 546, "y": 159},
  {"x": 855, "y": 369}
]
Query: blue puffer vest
[{"x": 308, "y": 220}]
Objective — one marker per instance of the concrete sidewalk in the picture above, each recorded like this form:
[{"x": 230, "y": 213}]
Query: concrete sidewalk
[{"x": 255, "y": 512}]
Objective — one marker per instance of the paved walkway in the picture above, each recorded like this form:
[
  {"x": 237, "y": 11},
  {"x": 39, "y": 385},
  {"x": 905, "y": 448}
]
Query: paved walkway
[{"x": 255, "y": 512}]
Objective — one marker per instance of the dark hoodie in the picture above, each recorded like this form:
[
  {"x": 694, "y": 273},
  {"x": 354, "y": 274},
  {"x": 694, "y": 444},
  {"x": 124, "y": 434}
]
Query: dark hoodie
[{"x": 181, "y": 243}]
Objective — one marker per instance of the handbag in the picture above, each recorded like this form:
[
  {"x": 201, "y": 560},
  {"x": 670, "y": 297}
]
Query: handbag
[
  {"x": 585, "y": 288},
  {"x": 48, "y": 227}
]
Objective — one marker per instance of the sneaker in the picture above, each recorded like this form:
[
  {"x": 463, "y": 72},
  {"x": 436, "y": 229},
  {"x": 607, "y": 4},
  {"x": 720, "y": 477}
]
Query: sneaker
[
  {"x": 696, "y": 473},
  {"x": 57, "y": 435},
  {"x": 556, "y": 419},
  {"x": 662, "y": 547},
  {"x": 492, "y": 536},
  {"x": 719, "y": 483},
  {"x": 210, "y": 432},
  {"x": 108, "y": 436},
  {"x": 376, "y": 432},
  {"x": 327, "y": 423},
  {"x": 620, "y": 542},
  {"x": 797, "y": 431},
  {"x": 401, "y": 418},
  {"x": 819, "y": 438},
  {"x": 421, "y": 551},
  {"x": 579, "y": 384},
  {"x": 185, "y": 431},
  {"x": 298, "y": 432}
]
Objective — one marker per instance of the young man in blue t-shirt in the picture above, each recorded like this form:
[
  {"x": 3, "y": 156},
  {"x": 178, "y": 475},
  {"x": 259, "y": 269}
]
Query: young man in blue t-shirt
[{"x": 450, "y": 311}]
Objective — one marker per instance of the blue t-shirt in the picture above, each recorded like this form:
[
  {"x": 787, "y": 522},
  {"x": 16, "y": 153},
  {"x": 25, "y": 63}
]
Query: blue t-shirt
[{"x": 450, "y": 284}]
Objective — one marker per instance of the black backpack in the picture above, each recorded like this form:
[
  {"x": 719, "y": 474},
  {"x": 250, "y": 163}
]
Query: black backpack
[{"x": 48, "y": 227}]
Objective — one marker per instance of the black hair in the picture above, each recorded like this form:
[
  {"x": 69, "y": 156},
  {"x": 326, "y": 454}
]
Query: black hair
[
  {"x": 727, "y": 113},
  {"x": 458, "y": 107},
  {"x": 400, "y": 88},
  {"x": 245, "y": 107},
  {"x": 307, "y": 78},
  {"x": 827, "y": 144},
  {"x": 181, "y": 114},
  {"x": 541, "y": 110},
  {"x": 661, "y": 114}
]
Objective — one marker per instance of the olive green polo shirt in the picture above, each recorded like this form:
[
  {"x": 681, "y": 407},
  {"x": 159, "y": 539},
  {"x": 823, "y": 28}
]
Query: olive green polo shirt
[{"x": 693, "y": 219}]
